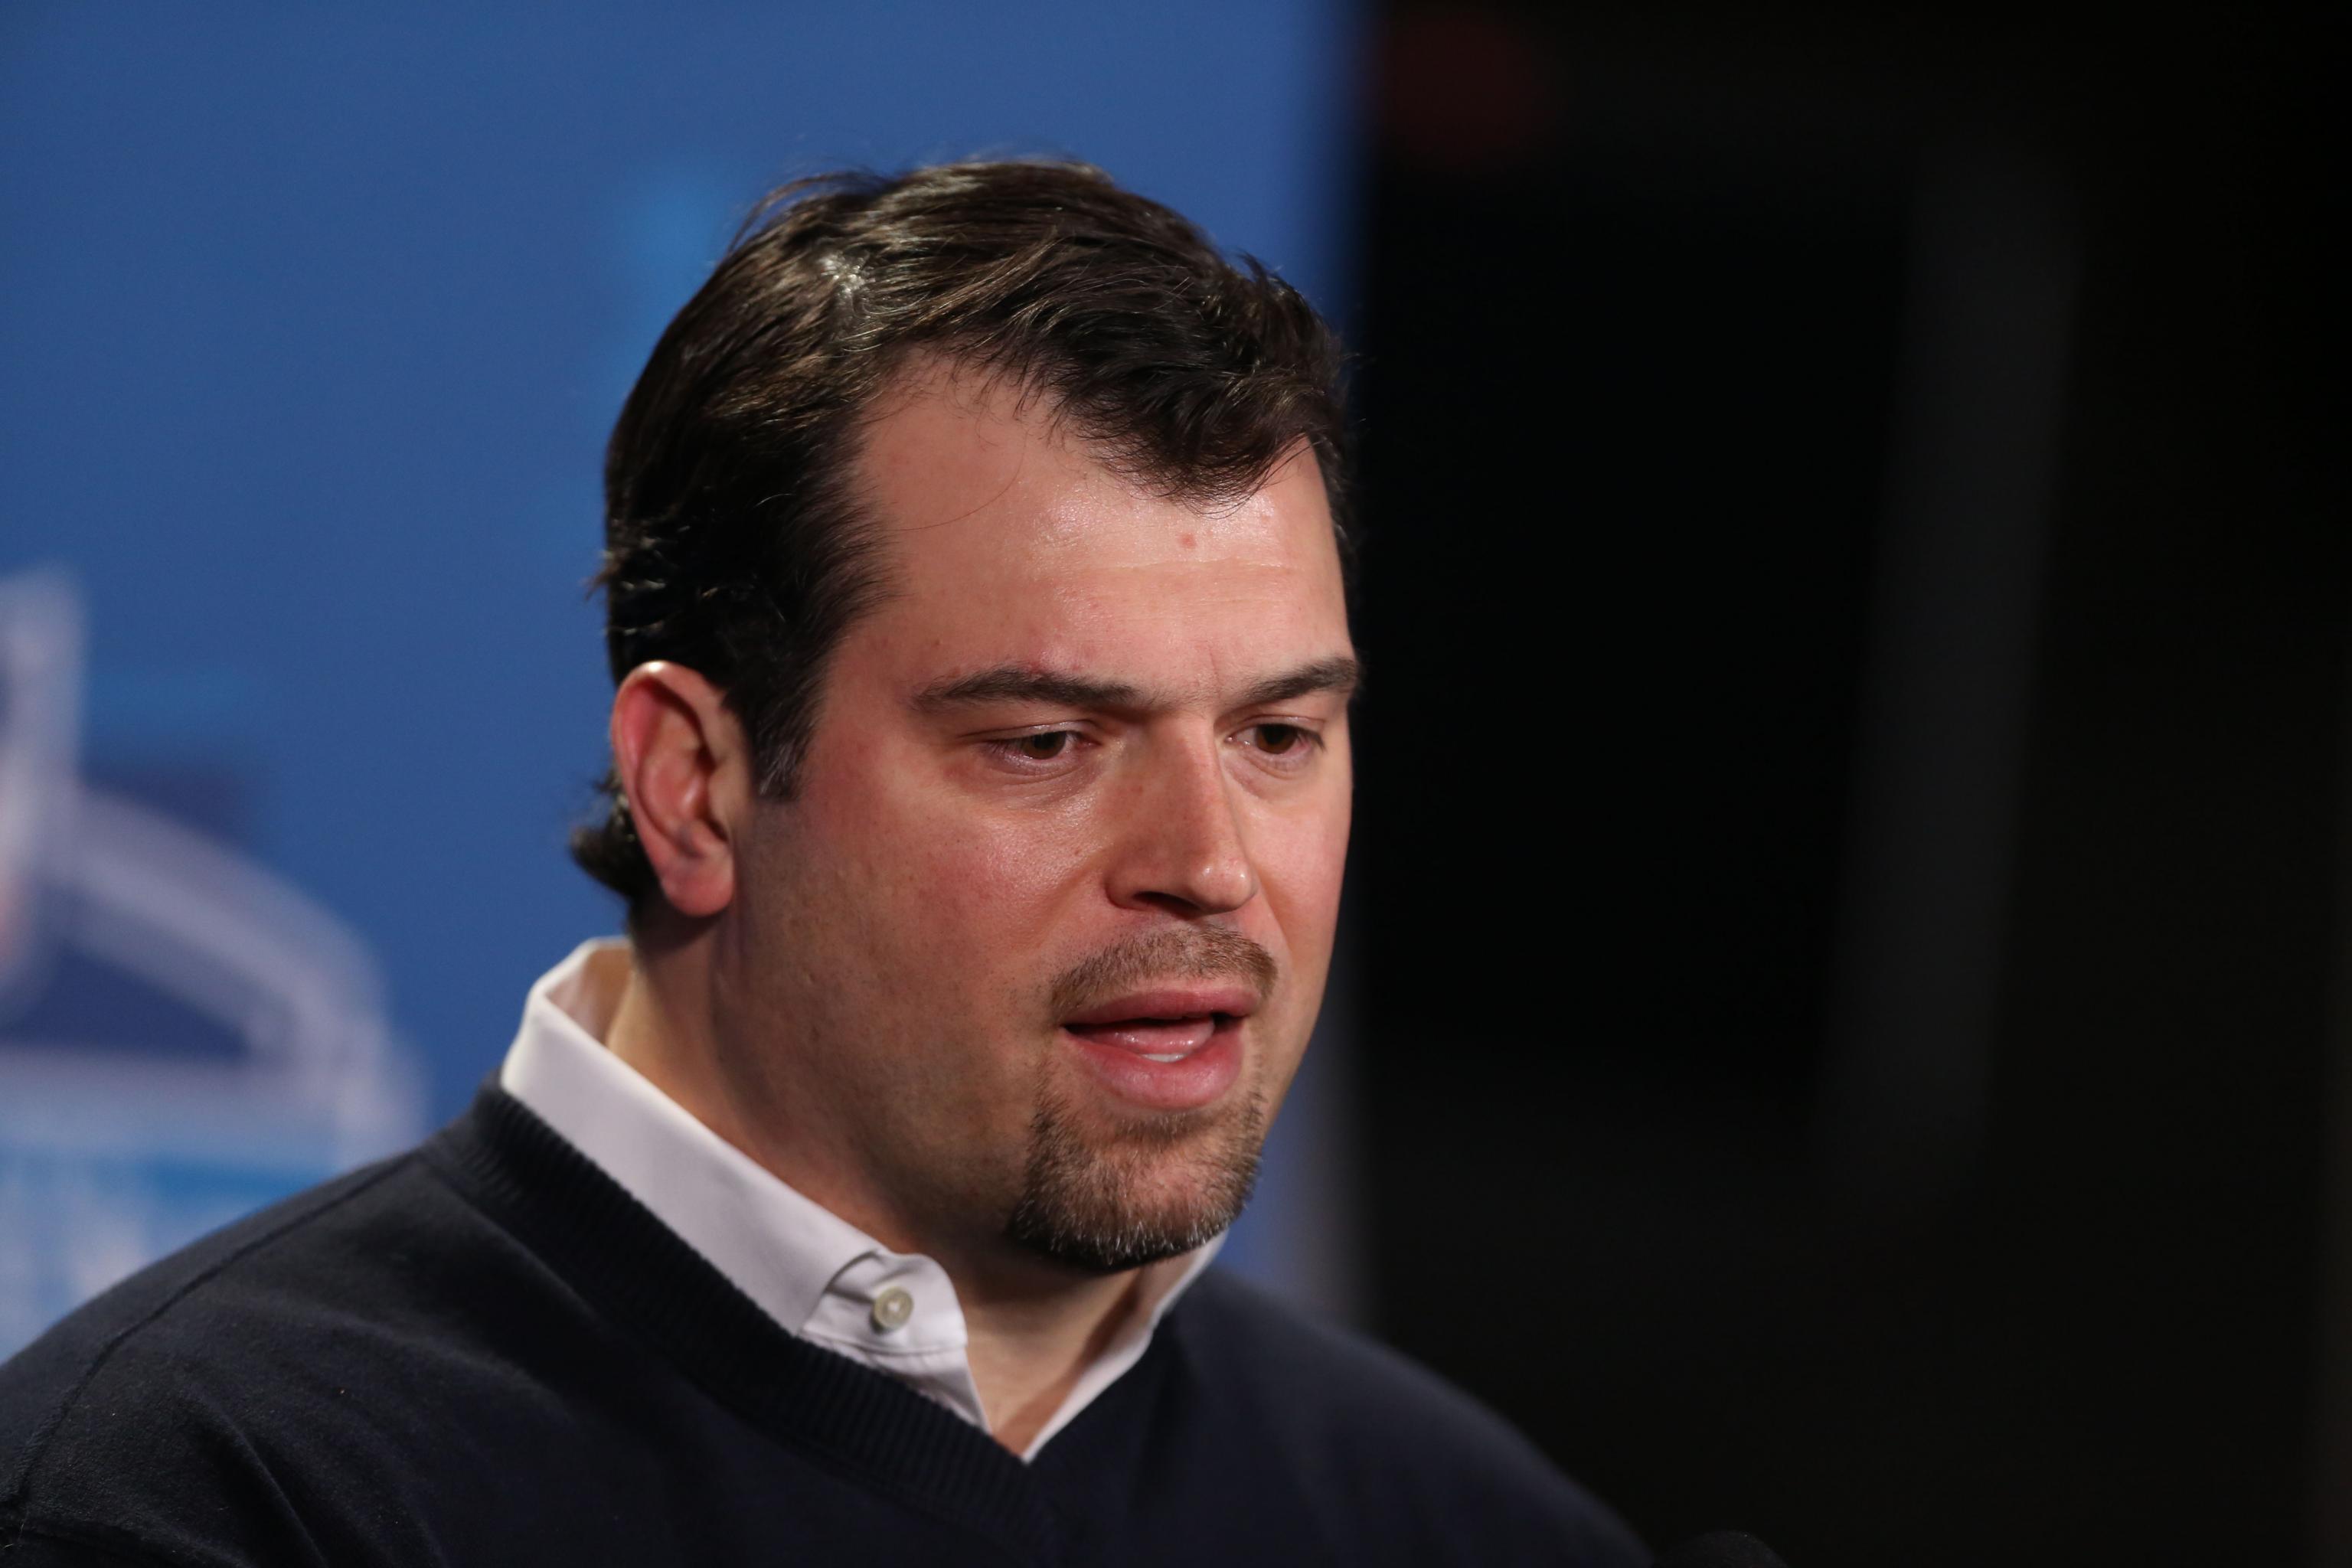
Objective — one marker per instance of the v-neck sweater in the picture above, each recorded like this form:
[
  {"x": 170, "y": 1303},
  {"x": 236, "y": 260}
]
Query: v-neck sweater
[{"x": 486, "y": 1350}]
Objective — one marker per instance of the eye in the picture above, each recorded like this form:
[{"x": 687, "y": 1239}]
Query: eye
[
  {"x": 1038, "y": 752},
  {"x": 1285, "y": 746}
]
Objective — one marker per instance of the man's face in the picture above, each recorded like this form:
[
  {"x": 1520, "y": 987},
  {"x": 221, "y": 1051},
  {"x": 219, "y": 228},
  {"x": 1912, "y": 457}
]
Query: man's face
[{"x": 1036, "y": 949}]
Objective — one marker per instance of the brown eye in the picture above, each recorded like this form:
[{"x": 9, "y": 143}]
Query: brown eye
[
  {"x": 1043, "y": 748},
  {"x": 1281, "y": 740}
]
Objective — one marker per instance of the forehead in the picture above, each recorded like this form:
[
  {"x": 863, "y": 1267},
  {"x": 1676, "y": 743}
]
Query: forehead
[{"x": 1008, "y": 539}]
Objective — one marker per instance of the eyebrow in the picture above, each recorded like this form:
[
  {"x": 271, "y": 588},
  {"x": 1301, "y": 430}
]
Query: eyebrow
[
  {"x": 1338, "y": 674},
  {"x": 1020, "y": 683}
]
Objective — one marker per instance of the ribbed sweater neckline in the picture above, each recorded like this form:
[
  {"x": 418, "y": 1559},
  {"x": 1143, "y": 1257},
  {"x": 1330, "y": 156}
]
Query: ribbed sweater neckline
[{"x": 641, "y": 1275}]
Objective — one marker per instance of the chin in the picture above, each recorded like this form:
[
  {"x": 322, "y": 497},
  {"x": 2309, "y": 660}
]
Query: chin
[{"x": 1104, "y": 1201}]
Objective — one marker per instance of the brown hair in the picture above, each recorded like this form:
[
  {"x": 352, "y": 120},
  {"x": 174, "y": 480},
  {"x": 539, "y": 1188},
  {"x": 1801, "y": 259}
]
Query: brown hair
[{"x": 733, "y": 544}]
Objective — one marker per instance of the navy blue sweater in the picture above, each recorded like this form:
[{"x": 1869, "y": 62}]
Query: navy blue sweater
[{"x": 486, "y": 1351}]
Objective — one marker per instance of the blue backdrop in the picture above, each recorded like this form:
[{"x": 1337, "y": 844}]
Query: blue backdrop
[{"x": 312, "y": 323}]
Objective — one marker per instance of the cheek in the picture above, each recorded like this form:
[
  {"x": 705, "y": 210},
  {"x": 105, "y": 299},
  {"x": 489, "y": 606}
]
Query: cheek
[
  {"x": 968, "y": 896},
  {"x": 1301, "y": 864},
  {"x": 990, "y": 891}
]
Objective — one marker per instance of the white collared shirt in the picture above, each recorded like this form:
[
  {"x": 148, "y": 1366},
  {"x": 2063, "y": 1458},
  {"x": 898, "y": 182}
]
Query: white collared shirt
[{"x": 813, "y": 1272}]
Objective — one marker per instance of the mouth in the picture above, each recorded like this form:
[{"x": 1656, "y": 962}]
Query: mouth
[
  {"x": 1174, "y": 1049},
  {"x": 1155, "y": 1039}
]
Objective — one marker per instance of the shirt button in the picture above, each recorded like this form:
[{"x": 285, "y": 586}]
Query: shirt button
[{"x": 892, "y": 1308}]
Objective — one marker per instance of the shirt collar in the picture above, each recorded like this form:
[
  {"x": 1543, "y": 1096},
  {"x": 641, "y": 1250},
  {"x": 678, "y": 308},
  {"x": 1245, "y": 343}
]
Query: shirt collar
[
  {"x": 808, "y": 1269},
  {"x": 782, "y": 1249}
]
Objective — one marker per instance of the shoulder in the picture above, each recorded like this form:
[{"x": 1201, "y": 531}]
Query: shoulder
[
  {"x": 1402, "y": 1439},
  {"x": 227, "y": 1399},
  {"x": 1333, "y": 1379}
]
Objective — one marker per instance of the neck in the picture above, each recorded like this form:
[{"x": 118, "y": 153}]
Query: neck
[
  {"x": 1032, "y": 1327},
  {"x": 1028, "y": 1347}
]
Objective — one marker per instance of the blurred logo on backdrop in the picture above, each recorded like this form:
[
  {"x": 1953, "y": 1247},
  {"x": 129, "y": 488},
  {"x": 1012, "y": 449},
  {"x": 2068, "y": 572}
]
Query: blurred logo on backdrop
[{"x": 184, "y": 1036}]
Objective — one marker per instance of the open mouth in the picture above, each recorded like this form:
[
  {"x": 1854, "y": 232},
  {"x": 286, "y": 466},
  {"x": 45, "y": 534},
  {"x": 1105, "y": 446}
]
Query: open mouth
[
  {"x": 1172, "y": 1048},
  {"x": 1156, "y": 1039},
  {"x": 1162, "y": 1064}
]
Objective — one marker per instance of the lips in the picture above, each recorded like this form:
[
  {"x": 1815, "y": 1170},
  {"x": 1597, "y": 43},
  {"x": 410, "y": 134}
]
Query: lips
[
  {"x": 1168, "y": 1004},
  {"x": 1172, "y": 1047},
  {"x": 1158, "y": 1040}
]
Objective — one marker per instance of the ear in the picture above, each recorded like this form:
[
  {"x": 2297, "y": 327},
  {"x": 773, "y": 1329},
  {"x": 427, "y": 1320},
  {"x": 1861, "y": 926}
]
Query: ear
[{"x": 683, "y": 759}]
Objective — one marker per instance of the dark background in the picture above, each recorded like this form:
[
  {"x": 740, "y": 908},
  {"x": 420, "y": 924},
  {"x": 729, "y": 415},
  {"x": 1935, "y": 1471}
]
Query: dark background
[{"x": 1852, "y": 811}]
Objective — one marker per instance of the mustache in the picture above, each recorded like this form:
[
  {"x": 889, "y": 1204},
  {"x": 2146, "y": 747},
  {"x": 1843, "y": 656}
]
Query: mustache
[{"x": 1182, "y": 953}]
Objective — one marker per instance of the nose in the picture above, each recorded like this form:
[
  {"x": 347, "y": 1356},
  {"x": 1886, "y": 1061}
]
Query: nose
[{"x": 1181, "y": 848}]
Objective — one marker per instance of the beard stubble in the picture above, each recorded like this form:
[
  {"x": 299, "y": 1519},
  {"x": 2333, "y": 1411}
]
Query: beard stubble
[{"x": 1105, "y": 1199}]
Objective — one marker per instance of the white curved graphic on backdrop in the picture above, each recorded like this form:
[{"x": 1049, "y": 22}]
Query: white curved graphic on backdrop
[{"x": 111, "y": 1155}]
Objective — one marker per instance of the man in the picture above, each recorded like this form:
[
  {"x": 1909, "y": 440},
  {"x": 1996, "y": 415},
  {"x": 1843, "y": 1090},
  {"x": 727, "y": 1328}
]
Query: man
[{"x": 981, "y": 790}]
